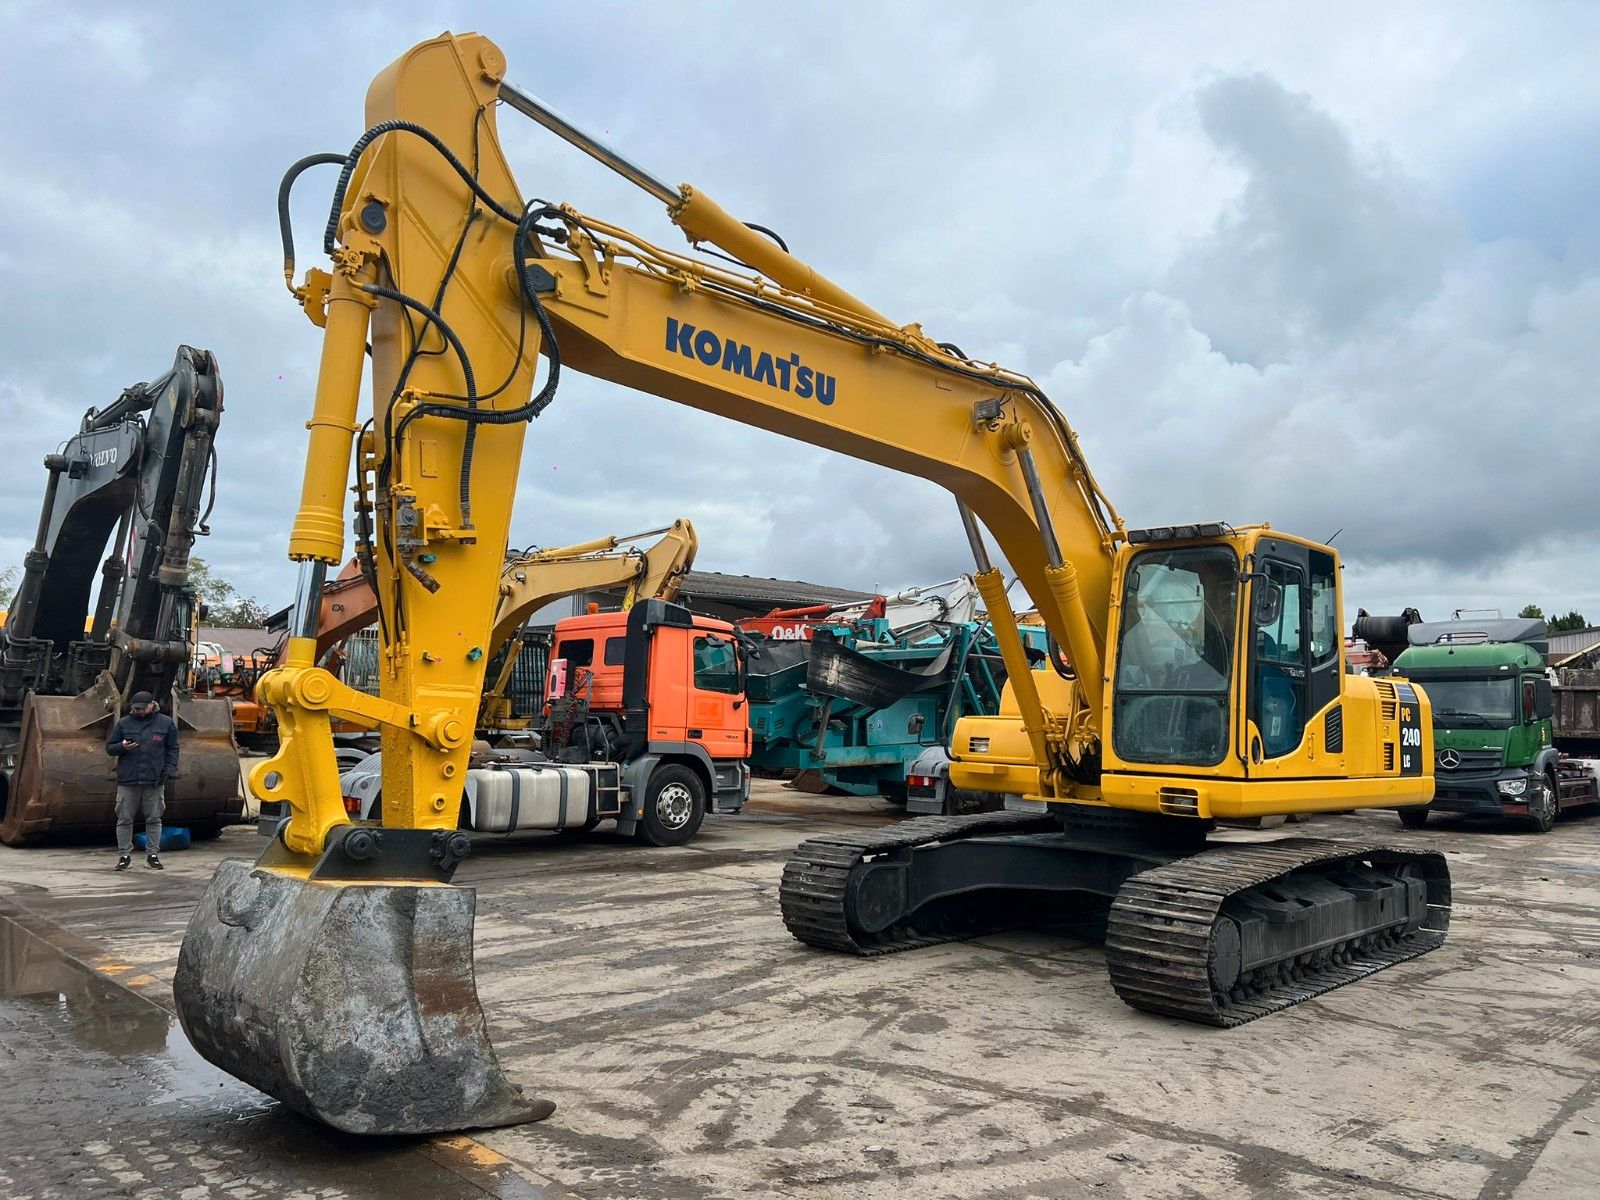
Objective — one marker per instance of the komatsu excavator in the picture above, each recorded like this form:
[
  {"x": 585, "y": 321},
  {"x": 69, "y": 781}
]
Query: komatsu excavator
[
  {"x": 134, "y": 477},
  {"x": 1206, "y": 679}
]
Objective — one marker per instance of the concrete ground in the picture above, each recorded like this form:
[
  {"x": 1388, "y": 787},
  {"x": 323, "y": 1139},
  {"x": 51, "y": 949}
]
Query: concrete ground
[{"x": 695, "y": 1050}]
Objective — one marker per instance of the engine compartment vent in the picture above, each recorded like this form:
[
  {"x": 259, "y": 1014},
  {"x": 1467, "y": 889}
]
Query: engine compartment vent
[
  {"x": 1388, "y": 702},
  {"x": 1179, "y": 802}
]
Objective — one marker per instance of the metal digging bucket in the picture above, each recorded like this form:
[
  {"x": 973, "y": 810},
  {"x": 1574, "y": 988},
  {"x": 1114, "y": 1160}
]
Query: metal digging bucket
[{"x": 352, "y": 1002}]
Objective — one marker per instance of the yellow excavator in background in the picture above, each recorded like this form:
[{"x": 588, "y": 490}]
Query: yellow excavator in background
[
  {"x": 536, "y": 577},
  {"x": 530, "y": 580},
  {"x": 1199, "y": 673}
]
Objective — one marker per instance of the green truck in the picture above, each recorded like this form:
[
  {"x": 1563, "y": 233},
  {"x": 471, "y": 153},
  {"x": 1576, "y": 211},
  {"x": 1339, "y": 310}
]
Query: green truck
[{"x": 1498, "y": 749}]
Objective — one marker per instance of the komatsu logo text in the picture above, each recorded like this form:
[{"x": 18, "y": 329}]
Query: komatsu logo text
[{"x": 785, "y": 372}]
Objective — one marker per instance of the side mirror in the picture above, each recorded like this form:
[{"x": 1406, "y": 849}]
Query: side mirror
[
  {"x": 1543, "y": 700},
  {"x": 1267, "y": 605}
]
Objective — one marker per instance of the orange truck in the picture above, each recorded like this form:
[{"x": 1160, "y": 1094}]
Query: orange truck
[{"x": 660, "y": 691}]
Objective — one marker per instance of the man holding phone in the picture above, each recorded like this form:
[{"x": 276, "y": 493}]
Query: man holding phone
[{"x": 145, "y": 745}]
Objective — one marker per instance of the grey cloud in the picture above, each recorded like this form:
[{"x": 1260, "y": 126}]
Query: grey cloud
[
  {"x": 1324, "y": 240},
  {"x": 1247, "y": 306}
]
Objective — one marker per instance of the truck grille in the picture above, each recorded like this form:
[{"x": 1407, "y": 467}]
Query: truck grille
[{"x": 1454, "y": 762}]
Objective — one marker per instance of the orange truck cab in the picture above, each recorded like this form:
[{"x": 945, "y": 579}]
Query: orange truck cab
[{"x": 661, "y": 692}]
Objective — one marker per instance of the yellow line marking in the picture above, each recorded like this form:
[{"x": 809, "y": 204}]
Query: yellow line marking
[{"x": 480, "y": 1154}]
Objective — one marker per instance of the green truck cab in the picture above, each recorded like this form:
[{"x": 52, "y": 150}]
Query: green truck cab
[{"x": 1493, "y": 737}]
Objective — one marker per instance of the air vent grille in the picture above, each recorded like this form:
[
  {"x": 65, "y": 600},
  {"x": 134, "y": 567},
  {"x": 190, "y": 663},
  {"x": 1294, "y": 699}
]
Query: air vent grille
[
  {"x": 1388, "y": 756},
  {"x": 1387, "y": 701},
  {"x": 1333, "y": 730},
  {"x": 1180, "y": 802}
]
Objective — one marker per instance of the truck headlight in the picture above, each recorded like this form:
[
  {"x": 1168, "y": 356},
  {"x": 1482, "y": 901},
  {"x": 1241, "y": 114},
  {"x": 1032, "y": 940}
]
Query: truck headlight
[{"x": 1512, "y": 787}]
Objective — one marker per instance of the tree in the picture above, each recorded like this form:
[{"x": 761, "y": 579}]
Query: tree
[
  {"x": 8, "y": 585},
  {"x": 225, "y": 606},
  {"x": 1573, "y": 620}
]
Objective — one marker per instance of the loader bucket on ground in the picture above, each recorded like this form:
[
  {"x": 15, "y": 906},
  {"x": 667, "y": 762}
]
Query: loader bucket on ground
[
  {"x": 64, "y": 782},
  {"x": 353, "y": 1003}
]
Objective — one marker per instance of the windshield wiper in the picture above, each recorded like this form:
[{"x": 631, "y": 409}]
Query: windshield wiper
[{"x": 1455, "y": 712}]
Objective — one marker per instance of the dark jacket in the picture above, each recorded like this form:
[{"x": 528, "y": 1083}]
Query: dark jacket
[{"x": 155, "y": 759}]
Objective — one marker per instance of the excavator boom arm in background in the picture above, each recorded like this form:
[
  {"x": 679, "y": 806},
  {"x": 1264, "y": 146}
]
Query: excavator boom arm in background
[{"x": 135, "y": 475}]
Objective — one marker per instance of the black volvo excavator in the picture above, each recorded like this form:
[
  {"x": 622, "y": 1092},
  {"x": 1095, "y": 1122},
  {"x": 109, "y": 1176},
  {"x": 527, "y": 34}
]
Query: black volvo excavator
[{"x": 134, "y": 475}]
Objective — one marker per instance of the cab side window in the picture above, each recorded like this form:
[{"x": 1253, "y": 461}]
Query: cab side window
[
  {"x": 1280, "y": 699},
  {"x": 716, "y": 665},
  {"x": 579, "y": 652},
  {"x": 616, "y": 651},
  {"x": 1326, "y": 636}
]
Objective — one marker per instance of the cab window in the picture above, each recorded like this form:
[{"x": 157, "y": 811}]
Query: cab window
[
  {"x": 716, "y": 665},
  {"x": 616, "y": 651},
  {"x": 579, "y": 652},
  {"x": 1279, "y": 694},
  {"x": 1175, "y": 656}
]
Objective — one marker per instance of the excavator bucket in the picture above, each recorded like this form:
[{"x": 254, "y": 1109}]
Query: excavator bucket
[
  {"x": 64, "y": 782},
  {"x": 351, "y": 1002}
]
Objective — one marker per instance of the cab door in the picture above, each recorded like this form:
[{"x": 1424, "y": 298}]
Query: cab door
[
  {"x": 1294, "y": 655},
  {"x": 718, "y": 715}
]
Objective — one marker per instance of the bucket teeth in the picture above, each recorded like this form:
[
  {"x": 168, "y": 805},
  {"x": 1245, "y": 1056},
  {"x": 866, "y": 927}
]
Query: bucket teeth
[{"x": 353, "y": 1003}]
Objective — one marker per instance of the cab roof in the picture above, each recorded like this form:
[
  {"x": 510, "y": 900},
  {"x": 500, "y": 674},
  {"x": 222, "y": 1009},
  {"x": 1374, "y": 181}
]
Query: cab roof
[
  {"x": 1483, "y": 656},
  {"x": 617, "y": 622}
]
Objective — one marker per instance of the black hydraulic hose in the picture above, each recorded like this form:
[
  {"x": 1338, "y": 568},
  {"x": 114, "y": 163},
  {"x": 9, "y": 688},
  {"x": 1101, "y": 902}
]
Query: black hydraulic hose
[
  {"x": 771, "y": 233},
  {"x": 212, "y": 501},
  {"x": 449, "y": 335},
  {"x": 536, "y": 404},
  {"x": 285, "y": 230},
  {"x": 330, "y": 235}
]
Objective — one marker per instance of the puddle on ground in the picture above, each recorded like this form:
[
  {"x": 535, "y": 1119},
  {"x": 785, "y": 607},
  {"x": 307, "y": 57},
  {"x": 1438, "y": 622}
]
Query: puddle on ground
[
  {"x": 106, "y": 1066},
  {"x": 99, "y": 1015}
]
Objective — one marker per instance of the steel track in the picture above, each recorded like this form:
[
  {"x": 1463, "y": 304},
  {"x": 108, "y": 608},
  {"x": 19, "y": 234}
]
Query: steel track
[{"x": 1161, "y": 929}]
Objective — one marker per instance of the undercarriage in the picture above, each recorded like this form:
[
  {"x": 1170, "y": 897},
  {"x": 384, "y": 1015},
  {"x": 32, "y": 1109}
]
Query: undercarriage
[{"x": 1217, "y": 933}]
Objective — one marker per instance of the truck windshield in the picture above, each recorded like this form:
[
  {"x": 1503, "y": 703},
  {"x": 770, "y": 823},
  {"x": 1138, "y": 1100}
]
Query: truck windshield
[
  {"x": 1481, "y": 702},
  {"x": 1175, "y": 656}
]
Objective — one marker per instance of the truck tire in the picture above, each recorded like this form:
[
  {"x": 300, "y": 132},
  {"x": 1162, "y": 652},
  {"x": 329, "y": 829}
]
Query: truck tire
[
  {"x": 1414, "y": 817},
  {"x": 1544, "y": 805},
  {"x": 674, "y": 806}
]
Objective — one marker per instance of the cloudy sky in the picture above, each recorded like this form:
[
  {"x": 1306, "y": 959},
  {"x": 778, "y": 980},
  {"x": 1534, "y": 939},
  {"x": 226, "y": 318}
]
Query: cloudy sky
[{"x": 1336, "y": 271}]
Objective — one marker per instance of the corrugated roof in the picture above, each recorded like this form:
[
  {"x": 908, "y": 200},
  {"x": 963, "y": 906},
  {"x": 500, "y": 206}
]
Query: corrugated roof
[{"x": 779, "y": 593}]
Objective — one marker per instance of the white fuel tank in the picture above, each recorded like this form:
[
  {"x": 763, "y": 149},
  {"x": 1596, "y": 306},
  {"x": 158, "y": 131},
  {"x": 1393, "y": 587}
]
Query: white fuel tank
[{"x": 503, "y": 799}]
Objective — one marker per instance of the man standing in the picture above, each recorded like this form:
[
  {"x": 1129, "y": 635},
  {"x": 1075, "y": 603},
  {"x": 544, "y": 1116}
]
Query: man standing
[{"x": 145, "y": 745}]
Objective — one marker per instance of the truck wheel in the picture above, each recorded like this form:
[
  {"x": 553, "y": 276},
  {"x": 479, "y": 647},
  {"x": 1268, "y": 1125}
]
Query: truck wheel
[
  {"x": 1543, "y": 806},
  {"x": 1414, "y": 817},
  {"x": 674, "y": 806}
]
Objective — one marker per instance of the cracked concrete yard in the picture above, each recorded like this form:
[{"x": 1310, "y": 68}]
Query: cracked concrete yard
[{"x": 695, "y": 1050}]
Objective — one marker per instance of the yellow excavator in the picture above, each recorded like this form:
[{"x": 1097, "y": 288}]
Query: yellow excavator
[
  {"x": 537, "y": 577},
  {"x": 1197, "y": 673}
]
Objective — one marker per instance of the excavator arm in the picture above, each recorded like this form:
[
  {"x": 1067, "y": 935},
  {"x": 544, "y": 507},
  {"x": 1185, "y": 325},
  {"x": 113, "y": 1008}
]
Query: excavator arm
[{"x": 539, "y": 577}]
